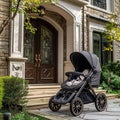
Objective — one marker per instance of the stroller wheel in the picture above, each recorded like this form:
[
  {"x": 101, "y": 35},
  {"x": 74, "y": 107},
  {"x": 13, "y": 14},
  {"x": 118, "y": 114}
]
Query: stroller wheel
[
  {"x": 76, "y": 106},
  {"x": 54, "y": 106},
  {"x": 101, "y": 102}
]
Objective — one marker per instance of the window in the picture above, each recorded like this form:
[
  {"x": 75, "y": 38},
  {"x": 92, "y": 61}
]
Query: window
[
  {"x": 99, "y": 42},
  {"x": 100, "y": 3}
]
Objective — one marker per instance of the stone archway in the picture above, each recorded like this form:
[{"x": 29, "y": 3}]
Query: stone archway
[{"x": 65, "y": 40}]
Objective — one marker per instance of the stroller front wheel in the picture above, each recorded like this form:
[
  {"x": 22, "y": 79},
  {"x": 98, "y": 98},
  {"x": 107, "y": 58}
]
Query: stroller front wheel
[
  {"x": 54, "y": 106},
  {"x": 101, "y": 102},
  {"x": 76, "y": 106}
]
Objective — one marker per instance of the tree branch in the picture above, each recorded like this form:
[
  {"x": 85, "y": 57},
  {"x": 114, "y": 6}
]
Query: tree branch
[{"x": 7, "y": 21}]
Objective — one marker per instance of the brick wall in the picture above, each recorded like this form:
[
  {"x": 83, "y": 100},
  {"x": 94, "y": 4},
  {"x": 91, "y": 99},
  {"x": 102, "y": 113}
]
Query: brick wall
[{"x": 4, "y": 38}]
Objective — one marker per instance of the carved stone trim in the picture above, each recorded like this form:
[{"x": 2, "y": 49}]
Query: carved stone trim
[
  {"x": 17, "y": 59},
  {"x": 17, "y": 66},
  {"x": 17, "y": 69},
  {"x": 116, "y": 51}
]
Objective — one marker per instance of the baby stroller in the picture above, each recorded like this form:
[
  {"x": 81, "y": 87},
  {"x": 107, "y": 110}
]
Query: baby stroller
[{"x": 78, "y": 88}]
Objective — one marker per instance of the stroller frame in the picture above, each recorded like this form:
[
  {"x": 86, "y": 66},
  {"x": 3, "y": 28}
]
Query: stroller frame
[{"x": 78, "y": 96}]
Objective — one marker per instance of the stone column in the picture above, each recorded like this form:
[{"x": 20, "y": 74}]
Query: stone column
[
  {"x": 78, "y": 37},
  {"x": 74, "y": 37},
  {"x": 16, "y": 59},
  {"x": 116, "y": 51}
]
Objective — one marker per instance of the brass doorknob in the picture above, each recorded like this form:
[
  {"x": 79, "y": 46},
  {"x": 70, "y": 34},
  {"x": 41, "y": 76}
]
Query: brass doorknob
[
  {"x": 36, "y": 60},
  {"x": 39, "y": 60}
]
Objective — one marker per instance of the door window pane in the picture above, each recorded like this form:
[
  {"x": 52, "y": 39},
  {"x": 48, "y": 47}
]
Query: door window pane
[
  {"x": 46, "y": 46},
  {"x": 29, "y": 46}
]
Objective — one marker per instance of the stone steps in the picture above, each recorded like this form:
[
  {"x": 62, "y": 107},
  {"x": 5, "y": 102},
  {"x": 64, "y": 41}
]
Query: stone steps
[{"x": 39, "y": 96}]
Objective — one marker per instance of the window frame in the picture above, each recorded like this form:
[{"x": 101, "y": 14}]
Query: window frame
[
  {"x": 108, "y": 6},
  {"x": 102, "y": 42},
  {"x": 98, "y": 4}
]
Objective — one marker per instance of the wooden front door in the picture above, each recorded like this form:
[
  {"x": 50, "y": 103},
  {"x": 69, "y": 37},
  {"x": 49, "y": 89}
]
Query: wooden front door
[{"x": 41, "y": 50}]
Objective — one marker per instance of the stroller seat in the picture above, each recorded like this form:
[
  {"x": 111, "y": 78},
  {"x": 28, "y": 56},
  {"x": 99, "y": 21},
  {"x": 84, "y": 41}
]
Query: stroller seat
[
  {"x": 64, "y": 86},
  {"x": 75, "y": 80}
]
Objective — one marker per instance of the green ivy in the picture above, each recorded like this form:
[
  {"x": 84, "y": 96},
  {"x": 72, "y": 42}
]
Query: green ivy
[{"x": 112, "y": 31}]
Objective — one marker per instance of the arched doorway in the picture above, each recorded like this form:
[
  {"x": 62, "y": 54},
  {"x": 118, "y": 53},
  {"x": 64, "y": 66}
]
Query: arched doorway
[{"x": 41, "y": 50}]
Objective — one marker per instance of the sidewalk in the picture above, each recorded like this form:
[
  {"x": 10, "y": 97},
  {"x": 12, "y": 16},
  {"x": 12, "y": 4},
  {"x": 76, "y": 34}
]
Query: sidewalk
[{"x": 89, "y": 112}]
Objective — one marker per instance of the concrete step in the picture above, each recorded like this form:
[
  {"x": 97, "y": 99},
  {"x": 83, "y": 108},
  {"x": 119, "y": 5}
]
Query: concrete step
[
  {"x": 111, "y": 96},
  {"x": 38, "y": 101},
  {"x": 43, "y": 86},
  {"x": 99, "y": 91},
  {"x": 40, "y": 96},
  {"x": 42, "y": 92}
]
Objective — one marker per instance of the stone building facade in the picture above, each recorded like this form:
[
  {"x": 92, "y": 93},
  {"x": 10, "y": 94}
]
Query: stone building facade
[
  {"x": 66, "y": 27},
  {"x": 4, "y": 38}
]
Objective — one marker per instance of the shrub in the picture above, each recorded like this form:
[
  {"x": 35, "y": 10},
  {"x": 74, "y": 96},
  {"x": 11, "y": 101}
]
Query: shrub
[
  {"x": 105, "y": 75},
  {"x": 14, "y": 93},
  {"x": 113, "y": 67},
  {"x": 27, "y": 116},
  {"x": 1, "y": 116},
  {"x": 115, "y": 82},
  {"x": 110, "y": 77},
  {"x": 1, "y": 91}
]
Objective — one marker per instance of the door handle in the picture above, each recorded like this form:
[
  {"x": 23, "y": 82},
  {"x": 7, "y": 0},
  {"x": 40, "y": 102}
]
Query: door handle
[
  {"x": 36, "y": 60},
  {"x": 39, "y": 60}
]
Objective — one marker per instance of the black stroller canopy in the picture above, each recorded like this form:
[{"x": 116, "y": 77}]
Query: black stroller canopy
[{"x": 85, "y": 60}]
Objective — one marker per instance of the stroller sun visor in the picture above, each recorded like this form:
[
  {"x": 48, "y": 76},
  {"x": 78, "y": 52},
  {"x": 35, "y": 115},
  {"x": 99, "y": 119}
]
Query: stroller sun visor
[{"x": 85, "y": 60}]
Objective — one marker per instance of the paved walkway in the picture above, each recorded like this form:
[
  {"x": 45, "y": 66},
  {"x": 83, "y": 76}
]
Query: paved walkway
[{"x": 89, "y": 113}]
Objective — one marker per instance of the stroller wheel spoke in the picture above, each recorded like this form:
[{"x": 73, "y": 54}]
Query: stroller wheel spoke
[
  {"x": 76, "y": 106},
  {"x": 54, "y": 106},
  {"x": 101, "y": 102}
]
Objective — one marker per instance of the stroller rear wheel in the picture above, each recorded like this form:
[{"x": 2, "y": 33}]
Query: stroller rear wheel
[
  {"x": 54, "y": 106},
  {"x": 101, "y": 102},
  {"x": 76, "y": 106}
]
